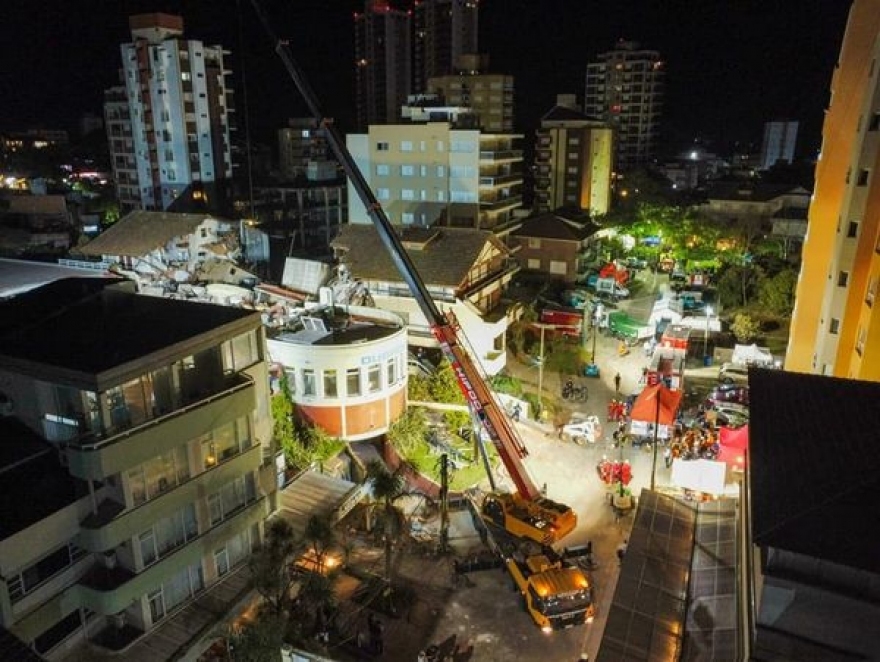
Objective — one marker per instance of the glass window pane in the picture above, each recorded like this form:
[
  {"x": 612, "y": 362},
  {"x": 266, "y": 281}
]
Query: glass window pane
[
  {"x": 374, "y": 381},
  {"x": 309, "y": 387},
  {"x": 389, "y": 371},
  {"x": 353, "y": 381},
  {"x": 148, "y": 547},
  {"x": 329, "y": 383}
]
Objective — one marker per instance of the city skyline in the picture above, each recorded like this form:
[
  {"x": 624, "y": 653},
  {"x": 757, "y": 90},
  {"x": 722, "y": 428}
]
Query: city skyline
[{"x": 730, "y": 67}]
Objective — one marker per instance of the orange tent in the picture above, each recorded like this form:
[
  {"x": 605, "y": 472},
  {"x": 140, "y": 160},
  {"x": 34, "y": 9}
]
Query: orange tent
[{"x": 656, "y": 403}]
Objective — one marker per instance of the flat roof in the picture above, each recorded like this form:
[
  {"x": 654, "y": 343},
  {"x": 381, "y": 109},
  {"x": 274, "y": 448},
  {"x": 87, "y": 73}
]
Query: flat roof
[
  {"x": 19, "y": 276},
  {"x": 105, "y": 329}
]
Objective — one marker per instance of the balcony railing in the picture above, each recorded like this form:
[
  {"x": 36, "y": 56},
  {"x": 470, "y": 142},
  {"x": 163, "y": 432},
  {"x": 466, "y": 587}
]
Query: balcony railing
[
  {"x": 501, "y": 180},
  {"x": 498, "y": 205},
  {"x": 501, "y": 155}
]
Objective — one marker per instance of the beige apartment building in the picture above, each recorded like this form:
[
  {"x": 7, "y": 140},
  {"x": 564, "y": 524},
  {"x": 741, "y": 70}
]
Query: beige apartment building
[
  {"x": 489, "y": 96},
  {"x": 433, "y": 172},
  {"x": 138, "y": 450}
]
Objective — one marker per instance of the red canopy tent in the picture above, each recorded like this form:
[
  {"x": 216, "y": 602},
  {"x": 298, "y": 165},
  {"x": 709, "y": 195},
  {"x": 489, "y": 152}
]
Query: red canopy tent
[
  {"x": 733, "y": 443},
  {"x": 656, "y": 404}
]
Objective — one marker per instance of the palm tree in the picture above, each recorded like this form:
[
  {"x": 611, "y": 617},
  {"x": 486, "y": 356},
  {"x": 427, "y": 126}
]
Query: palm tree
[
  {"x": 388, "y": 487},
  {"x": 272, "y": 566},
  {"x": 320, "y": 537}
]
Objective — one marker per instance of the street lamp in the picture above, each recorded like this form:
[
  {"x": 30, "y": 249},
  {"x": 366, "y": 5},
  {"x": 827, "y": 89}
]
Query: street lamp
[{"x": 706, "y": 335}]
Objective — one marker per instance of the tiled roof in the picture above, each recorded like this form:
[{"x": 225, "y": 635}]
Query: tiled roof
[
  {"x": 140, "y": 232},
  {"x": 815, "y": 466},
  {"x": 36, "y": 204},
  {"x": 747, "y": 191},
  {"x": 552, "y": 226},
  {"x": 442, "y": 256}
]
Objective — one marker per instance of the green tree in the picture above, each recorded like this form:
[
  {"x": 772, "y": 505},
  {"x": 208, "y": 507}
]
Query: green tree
[
  {"x": 388, "y": 487},
  {"x": 408, "y": 431},
  {"x": 777, "y": 293},
  {"x": 745, "y": 328},
  {"x": 444, "y": 385},
  {"x": 258, "y": 640},
  {"x": 419, "y": 388},
  {"x": 272, "y": 566}
]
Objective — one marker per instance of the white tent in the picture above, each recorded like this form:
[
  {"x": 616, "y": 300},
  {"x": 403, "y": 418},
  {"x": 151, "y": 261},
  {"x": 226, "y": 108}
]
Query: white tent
[
  {"x": 699, "y": 475},
  {"x": 752, "y": 355}
]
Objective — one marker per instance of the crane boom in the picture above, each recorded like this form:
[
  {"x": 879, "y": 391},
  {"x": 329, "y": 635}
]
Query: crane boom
[{"x": 547, "y": 520}]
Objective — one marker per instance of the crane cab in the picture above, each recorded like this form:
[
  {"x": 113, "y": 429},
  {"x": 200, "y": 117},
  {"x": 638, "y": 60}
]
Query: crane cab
[{"x": 541, "y": 519}]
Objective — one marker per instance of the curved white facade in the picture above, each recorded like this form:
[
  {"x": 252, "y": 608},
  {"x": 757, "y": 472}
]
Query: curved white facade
[{"x": 354, "y": 385}]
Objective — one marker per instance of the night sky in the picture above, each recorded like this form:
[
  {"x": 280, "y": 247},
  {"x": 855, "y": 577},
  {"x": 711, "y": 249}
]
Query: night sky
[{"x": 731, "y": 64}]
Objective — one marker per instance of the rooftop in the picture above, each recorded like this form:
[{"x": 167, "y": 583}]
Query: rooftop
[
  {"x": 551, "y": 225},
  {"x": 442, "y": 256},
  {"x": 90, "y": 331},
  {"x": 341, "y": 326},
  {"x": 30, "y": 466},
  {"x": 17, "y": 276},
  {"x": 815, "y": 466},
  {"x": 141, "y": 232}
]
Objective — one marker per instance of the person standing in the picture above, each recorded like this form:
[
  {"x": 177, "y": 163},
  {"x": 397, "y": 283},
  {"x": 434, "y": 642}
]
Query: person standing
[{"x": 617, "y": 383}]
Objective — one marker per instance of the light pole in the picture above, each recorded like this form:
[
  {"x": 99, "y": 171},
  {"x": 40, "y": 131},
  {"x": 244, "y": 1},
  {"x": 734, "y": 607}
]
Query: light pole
[{"x": 706, "y": 335}]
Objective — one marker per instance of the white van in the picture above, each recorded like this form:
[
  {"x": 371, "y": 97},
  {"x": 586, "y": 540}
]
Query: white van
[{"x": 612, "y": 287}]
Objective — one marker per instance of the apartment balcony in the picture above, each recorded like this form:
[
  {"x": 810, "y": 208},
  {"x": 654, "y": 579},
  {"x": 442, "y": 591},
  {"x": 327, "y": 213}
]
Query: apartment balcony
[
  {"x": 500, "y": 156},
  {"x": 110, "y": 590},
  {"x": 111, "y": 525},
  {"x": 500, "y": 180},
  {"x": 510, "y": 202},
  {"x": 94, "y": 458}
]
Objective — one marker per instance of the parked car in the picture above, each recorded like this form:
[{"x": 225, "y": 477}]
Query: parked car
[
  {"x": 730, "y": 418},
  {"x": 582, "y": 429},
  {"x": 733, "y": 373},
  {"x": 728, "y": 393}
]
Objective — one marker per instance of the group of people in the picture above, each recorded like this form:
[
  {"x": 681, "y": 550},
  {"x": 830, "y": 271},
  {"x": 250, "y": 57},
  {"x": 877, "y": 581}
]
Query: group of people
[
  {"x": 693, "y": 444},
  {"x": 372, "y": 642}
]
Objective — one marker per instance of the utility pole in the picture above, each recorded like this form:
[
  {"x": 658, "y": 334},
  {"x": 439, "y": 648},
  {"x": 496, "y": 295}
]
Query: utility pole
[{"x": 444, "y": 503}]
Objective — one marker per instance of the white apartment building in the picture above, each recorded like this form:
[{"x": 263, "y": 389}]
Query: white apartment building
[
  {"x": 168, "y": 124},
  {"x": 430, "y": 173},
  {"x": 138, "y": 445}
]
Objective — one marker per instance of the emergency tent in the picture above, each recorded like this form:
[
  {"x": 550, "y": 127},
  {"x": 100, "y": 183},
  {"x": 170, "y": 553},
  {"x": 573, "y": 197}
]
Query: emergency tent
[
  {"x": 752, "y": 355},
  {"x": 655, "y": 403},
  {"x": 733, "y": 443},
  {"x": 705, "y": 476}
]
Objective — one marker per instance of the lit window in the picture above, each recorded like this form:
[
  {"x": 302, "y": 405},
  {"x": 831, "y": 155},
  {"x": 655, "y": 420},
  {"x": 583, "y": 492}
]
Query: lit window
[
  {"x": 383, "y": 169},
  {"x": 406, "y": 146},
  {"x": 407, "y": 170}
]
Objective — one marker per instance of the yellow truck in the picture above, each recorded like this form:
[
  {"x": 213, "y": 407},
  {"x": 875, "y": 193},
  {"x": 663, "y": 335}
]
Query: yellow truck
[
  {"x": 540, "y": 519},
  {"x": 556, "y": 593}
]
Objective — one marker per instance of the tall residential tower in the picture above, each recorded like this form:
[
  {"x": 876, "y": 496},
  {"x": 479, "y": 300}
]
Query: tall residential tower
[
  {"x": 382, "y": 52},
  {"x": 625, "y": 88},
  {"x": 444, "y": 31},
  {"x": 168, "y": 125},
  {"x": 835, "y": 327}
]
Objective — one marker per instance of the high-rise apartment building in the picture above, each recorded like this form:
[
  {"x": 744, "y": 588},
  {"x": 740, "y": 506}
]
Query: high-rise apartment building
[
  {"x": 444, "y": 31},
  {"x": 302, "y": 147},
  {"x": 136, "y": 473},
  {"x": 436, "y": 172},
  {"x": 573, "y": 160},
  {"x": 489, "y": 96},
  {"x": 168, "y": 125},
  {"x": 383, "y": 68},
  {"x": 625, "y": 88},
  {"x": 780, "y": 139},
  {"x": 835, "y": 327}
]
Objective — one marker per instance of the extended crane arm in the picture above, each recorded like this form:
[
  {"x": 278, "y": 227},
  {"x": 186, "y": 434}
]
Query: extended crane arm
[{"x": 480, "y": 399}]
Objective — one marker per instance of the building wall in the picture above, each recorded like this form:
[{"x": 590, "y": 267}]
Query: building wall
[
  {"x": 382, "y": 63},
  {"x": 625, "y": 86},
  {"x": 834, "y": 326},
  {"x": 178, "y": 107},
  {"x": 425, "y": 173},
  {"x": 574, "y": 166},
  {"x": 363, "y": 415},
  {"x": 490, "y": 96},
  {"x": 549, "y": 256},
  {"x": 171, "y": 485}
]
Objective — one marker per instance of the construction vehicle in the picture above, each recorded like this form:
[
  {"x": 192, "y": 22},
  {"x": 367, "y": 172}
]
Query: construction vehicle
[
  {"x": 526, "y": 512},
  {"x": 555, "y": 590}
]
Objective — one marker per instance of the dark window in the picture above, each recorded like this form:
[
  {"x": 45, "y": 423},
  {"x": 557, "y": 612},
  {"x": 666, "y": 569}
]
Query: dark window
[
  {"x": 874, "y": 123},
  {"x": 842, "y": 278},
  {"x": 863, "y": 177},
  {"x": 835, "y": 326},
  {"x": 853, "y": 229}
]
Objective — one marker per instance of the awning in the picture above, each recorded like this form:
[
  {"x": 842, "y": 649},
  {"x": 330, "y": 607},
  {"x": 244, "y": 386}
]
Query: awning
[
  {"x": 656, "y": 404},
  {"x": 733, "y": 443},
  {"x": 312, "y": 493}
]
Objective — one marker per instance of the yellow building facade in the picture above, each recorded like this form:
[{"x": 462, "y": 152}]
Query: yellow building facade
[{"x": 835, "y": 328}]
